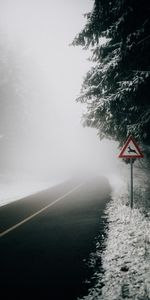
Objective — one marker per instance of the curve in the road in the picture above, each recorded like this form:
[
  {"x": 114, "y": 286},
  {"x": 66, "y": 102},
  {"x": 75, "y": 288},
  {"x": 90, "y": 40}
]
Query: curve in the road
[{"x": 39, "y": 211}]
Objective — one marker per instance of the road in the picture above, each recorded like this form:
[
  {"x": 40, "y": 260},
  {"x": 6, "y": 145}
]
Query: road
[{"x": 46, "y": 238}]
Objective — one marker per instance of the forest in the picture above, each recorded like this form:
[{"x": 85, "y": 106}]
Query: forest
[{"x": 116, "y": 90}]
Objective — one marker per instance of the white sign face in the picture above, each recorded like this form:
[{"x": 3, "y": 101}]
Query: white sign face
[{"x": 130, "y": 149}]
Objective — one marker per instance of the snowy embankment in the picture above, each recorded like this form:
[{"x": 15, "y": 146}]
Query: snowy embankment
[
  {"x": 13, "y": 190},
  {"x": 126, "y": 255},
  {"x": 11, "y": 193}
]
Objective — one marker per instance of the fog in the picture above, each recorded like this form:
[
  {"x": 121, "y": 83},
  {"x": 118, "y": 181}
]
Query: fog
[{"x": 41, "y": 134}]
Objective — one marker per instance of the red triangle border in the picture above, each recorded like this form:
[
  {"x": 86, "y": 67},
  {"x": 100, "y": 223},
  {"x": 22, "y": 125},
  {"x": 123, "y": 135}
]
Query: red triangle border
[{"x": 130, "y": 138}]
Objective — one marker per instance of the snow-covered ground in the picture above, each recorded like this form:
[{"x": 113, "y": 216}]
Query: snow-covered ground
[
  {"x": 125, "y": 271},
  {"x": 12, "y": 189}
]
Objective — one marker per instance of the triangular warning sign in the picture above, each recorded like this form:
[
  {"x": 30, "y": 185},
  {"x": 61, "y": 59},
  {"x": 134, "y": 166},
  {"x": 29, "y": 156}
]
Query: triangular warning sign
[{"x": 130, "y": 149}]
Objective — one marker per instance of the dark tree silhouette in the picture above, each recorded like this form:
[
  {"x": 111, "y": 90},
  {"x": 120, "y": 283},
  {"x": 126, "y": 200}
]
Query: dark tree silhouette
[{"x": 117, "y": 88}]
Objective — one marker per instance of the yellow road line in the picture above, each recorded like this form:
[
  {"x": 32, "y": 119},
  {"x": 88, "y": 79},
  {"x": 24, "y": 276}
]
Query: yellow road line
[{"x": 39, "y": 211}]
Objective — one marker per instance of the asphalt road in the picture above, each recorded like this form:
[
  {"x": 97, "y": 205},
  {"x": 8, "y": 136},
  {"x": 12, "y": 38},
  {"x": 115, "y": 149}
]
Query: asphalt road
[{"x": 46, "y": 238}]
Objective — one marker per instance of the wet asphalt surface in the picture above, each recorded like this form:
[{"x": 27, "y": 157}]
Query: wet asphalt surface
[{"x": 45, "y": 256}]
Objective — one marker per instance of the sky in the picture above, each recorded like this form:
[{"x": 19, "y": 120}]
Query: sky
[{"x": 38, "y": 34}]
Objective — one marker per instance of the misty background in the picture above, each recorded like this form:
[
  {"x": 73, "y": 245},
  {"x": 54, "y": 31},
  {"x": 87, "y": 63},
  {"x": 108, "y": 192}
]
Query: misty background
[{"x": 41, "y": 135}]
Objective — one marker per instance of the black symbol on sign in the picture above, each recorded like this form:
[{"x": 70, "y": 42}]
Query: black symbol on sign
[{"x": 130, "y": 150}]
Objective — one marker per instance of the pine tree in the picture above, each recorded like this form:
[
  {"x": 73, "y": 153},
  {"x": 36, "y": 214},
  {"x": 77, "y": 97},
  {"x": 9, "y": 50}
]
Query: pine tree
[{"x": 117, "y": 88}]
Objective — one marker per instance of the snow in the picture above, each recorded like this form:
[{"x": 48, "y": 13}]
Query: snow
[
  {"x": 126, "y": 254},
  {"x": 11, "y": 191}
]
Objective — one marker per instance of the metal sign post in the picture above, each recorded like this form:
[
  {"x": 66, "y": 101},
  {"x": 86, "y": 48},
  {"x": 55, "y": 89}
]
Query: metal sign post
[
  {"x": 131, "y": 164},
  {"x": 131, "y": 150}
]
